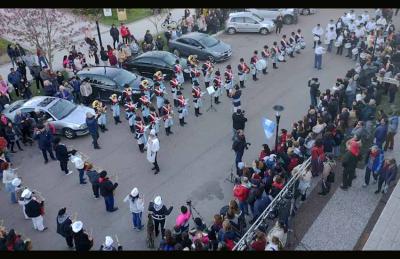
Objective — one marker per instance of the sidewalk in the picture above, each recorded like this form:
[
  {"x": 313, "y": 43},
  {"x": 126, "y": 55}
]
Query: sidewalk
[
  {"x": 137, "y": 28},
  {"x": 344, "y": 218}
]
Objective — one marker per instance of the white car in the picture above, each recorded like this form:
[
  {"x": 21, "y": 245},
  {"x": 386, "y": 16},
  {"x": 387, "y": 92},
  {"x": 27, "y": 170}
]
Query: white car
[
  {"x": 289, "y": 14},
  {"x": 248, "y": 22}
]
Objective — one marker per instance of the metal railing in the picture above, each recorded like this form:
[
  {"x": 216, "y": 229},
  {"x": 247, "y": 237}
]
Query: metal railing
[{"x": 251, "y": 232}]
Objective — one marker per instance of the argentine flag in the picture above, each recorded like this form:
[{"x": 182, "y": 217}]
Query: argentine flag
[{"x": 269, "y": 127}]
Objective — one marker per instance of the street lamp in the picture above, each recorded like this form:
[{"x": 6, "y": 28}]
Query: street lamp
[
  {"x": 277, "y": 109},
  {"x": 98, "y": 33}
]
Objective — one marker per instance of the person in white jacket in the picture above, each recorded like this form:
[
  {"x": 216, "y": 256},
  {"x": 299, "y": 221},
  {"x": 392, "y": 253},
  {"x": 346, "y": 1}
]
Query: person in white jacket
[
  {"x": 153, "y": 145},
  {"x": 76, "y": 159},
  {"x": 136, "y": 207},
  {"x": 317, "y": 31},
  {"x": 330, "y": 37}
]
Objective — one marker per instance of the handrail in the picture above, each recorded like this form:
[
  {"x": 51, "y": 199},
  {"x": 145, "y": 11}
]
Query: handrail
[{"x": 249, "y": 235}]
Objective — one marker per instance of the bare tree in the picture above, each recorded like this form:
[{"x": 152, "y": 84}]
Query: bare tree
[
  {"x": 158, "y": 18},
  {"x": 46, "y": 29}
]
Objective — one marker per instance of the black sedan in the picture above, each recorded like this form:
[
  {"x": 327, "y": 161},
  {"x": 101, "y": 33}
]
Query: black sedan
[
  {"x": 150, "y": 62},
  {"x": 202, "y": 45},
  {"x": 106, "y": 81}
]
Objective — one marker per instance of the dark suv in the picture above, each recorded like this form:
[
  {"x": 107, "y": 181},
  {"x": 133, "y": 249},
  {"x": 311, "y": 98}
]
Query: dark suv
[{"x": 106, "y": 81}]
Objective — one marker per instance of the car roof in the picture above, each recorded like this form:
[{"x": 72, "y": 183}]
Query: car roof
[
  {"x": 40, "y": 101},
  {"x": 154, "y": 54},
  {"x": 241, "y": 14},
  {"x": 110, "y": 72},
  {"x": 194, "y": 35}
]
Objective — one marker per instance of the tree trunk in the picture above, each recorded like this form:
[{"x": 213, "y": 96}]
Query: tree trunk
[{"x": 50, "y": 58}]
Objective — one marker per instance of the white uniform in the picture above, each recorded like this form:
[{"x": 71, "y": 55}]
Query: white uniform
[
  {"x": 371, "y": 25},
  {"x": 352, "y": 26},
  {"x": 153, "y": 146},
  {"x": 318, "y": 31}
]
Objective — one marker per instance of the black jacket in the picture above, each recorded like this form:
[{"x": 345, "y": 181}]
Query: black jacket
[
  {"x": 239, "y": 144},
  {"x": 61, "y": 152},
  {"x": 64, "y": 227},
  {"x": 32, "y": 209},
  {"x": 161, "y": 213},
  {"x": 107, "y": 187},
  {"x": 114, "y": 33},
  {"x": 82, "y": 242},
  {"x": 239, "y": 121}
]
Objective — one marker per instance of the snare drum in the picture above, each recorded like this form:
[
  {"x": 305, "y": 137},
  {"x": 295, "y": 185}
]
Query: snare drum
[
  {"x": 337, "y": 44},
  {"x": 261, "y": 64},
  {"x": 316, "y": 38},
  {"x": 302, "y": 45},
  {"x": 354, "y": 51},
  {"x": 347, "y": 45},
  {"x": 280, "y": 57}
]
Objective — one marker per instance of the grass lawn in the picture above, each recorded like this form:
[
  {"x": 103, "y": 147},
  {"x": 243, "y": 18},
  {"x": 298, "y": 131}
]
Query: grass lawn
[
  {"x": 3, "y": 46},
  {"x": 133, "y": 14}
]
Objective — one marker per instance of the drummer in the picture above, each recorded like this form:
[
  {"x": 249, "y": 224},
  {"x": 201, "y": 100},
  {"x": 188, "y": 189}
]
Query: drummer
[
  {"x": 339, "y": 44},
  {"x": 330, "y": 37},
  {"x": 253, "y": 62},
  {"x": 317, "y": 32},
  {"x": 265, "y": 56}
]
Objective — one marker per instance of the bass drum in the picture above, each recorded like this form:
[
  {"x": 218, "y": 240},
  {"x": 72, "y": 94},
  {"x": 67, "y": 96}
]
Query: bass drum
[
  {"x": 281, "y": 57},
  {"x": 337, "y": 44},
  {"x": 261, "y": 64},
  {"x": 354, "y": 51},
  {"x": 347, "y": 45},
  {"x": 302, "y": 45}
]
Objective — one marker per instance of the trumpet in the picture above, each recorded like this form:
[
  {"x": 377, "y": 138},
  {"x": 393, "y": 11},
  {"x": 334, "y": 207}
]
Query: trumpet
[
  {"x": 38, "y": 196},
  {"x": 193, "y": 60}
]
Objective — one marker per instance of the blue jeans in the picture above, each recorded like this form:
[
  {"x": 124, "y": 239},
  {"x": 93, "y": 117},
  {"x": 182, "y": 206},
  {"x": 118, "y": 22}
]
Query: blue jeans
[
  {"x": 329, "y": 49},
  {"x": 109, "y": 201},
  {"x": 81, "y": 173},
  {"x": 244, "y": 206},
  {"x": 318, "y": 61},
  {"x": 349, "y": 99},
  {"x": 137, "y": 220}
]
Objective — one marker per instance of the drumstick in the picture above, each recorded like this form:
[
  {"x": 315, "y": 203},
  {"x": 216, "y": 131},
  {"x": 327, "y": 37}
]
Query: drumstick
[{"x": 91, "y": 232}]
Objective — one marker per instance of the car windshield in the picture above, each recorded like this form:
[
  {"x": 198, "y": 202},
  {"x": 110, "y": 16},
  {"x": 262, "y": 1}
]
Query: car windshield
[
  {"x": 124, "y": 77},
  {"x": 61, "y": 109},
  {"x": 257, "y": 18},
  {"x": 208, "y": 41},
  {"x": 170, "y": 59}
]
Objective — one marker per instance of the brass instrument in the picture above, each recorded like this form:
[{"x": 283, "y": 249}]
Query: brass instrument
[
  {"x": 38, "y": 196},
  {"x": 193, "y": 60}
]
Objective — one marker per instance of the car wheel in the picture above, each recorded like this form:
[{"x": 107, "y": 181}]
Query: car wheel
[
  {"x": 176, "y": 52},
  {"x": 264, "y": 31},
  {"x": 69, "y": 133},
  {"x": 288, "y": 19},
  {"x": 211, "y": 58},
  {"x": 231, "y": 31}
]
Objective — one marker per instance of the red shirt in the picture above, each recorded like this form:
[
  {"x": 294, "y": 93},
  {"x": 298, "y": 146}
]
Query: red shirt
[
  {"x": 317, "y": 152},
  {"x": 259, "y": 245},
  {"x": 240, "y": 192}
]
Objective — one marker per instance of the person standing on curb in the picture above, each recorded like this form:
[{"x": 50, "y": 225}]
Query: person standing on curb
[
  {"x": 387, "y": 174},
  {"x": 153, "y": 146},
  {"x": 158, "y": 212},
  {"x": 392, "y": 130},
  {"x": 64, "y": 227},
  {"x": 82, "y": 241},
  {"x": 62, "y": 155},
  {"x": 238, "y": 146},
  {"x": 93, "y": 128},
  {"x": 136, "y": 206},
  {"x": 373, "y": 161},
  {"x": 107, "y": 191},
  {"x": 349, "y": 163}
]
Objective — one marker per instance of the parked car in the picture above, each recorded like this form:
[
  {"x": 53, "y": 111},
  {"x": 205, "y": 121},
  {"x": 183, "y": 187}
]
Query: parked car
[
  {"x": 248, "y": 22},
  {"x": 150, "y": 62},
  {"x": 68, "y": 118},
  {"x": 106, "y": 81},
  {"x": 202, "y": 45},
  {"x": 290, "y": 15}
]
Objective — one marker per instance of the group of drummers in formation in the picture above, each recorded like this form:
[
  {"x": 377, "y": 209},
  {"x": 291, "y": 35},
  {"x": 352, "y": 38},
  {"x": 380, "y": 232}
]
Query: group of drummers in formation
[
  {"x": 142, "y": 115},
  {"x": 356, "y": 33}
]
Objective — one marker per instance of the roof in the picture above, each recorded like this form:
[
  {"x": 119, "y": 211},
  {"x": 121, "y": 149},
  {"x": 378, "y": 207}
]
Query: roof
[
  {"x": 194, "y": 35},
  {"x": 41, "y": 101},
  {"x": 101, "y": 70},
  {"x": 240, "y": 14},
  {"x": 155, "y": 53}
]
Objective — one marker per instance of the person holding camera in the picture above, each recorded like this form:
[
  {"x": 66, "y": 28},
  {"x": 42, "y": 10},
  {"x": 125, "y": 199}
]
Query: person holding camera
[
  {"x": 314, "y": 90},
  {"x": 238, "y": 146},
  {"x": 44, "y": 138},
  {"x": 182, "y": 221},
  {"x": 239, "y": 122},
  {"x": 159, "y": 212}
]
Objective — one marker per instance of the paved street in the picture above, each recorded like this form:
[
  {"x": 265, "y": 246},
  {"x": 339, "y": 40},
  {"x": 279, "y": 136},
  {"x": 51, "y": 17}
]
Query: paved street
[{"x": 194, "y": 161}]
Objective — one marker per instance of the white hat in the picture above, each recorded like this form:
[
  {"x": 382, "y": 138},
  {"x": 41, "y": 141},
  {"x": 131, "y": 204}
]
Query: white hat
[
  {"x": 26, "y": 193},
  {"x": 152, "y": 132},
  {"x": 134, "y": 192},
  {"x": 158, "y": 201},
  {"x": 16, "y": 182},
  {"x": 77, "y": 226},
  {"x": 109, "y": 241}
]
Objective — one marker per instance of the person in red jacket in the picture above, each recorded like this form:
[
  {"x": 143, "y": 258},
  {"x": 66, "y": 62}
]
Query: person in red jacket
[
  {"x": 124, "y": 33},
  {"x": 317, "y": 158},
  {"x": 265, "y": 152},
  {"x": 241, "y": 192},
  {"x": 111, "y": 57}
]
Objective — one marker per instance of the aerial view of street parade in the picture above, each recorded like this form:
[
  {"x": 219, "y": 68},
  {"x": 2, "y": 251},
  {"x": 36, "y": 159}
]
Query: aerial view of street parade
[{"x": 199, "y": 129}]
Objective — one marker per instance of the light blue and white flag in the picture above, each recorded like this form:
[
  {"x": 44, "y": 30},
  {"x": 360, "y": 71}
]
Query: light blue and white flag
[{"x": 269, "y": 127}]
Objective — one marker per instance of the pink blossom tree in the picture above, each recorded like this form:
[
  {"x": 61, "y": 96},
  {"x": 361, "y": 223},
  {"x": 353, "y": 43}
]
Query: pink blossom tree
[{"x": 47, "y": 29}]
